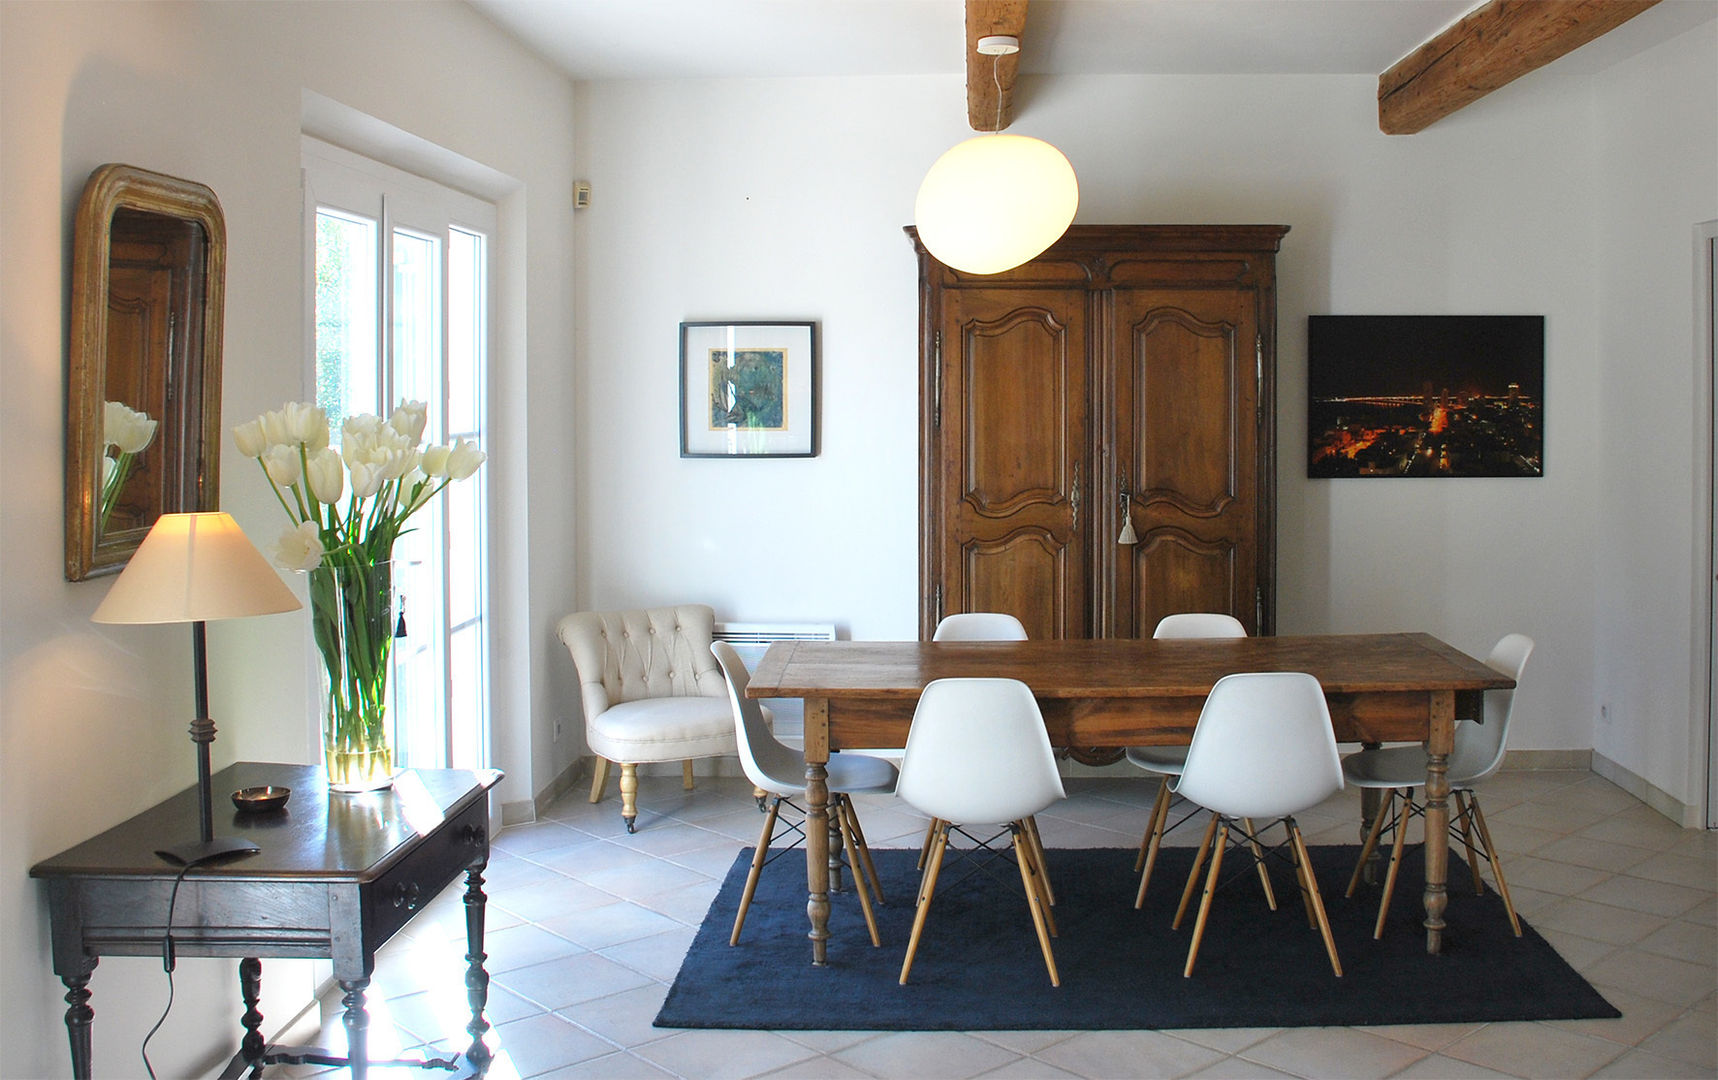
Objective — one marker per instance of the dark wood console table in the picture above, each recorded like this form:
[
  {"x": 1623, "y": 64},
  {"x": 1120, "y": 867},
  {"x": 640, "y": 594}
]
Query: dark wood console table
[{"x": 336, "y": 876}]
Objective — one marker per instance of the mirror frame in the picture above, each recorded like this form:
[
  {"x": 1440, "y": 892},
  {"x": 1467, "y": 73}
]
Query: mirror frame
[{"x": 197, "y": 443}]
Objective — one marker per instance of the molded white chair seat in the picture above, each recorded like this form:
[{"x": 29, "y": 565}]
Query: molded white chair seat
[
  {"x": 1478, "y": 752},
  {"x": 779, "y": 771},
  {"x": 651, "y": 692},
  {"x": 1168, "y": 761},
  {"x": 1263, "y": 748},
  {"x": 978, "y": 752}
]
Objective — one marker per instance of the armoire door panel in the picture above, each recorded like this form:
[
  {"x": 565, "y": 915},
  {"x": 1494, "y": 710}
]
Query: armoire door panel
[
  {"x": 1026, "y": 575},
  {"x": 1009, "y": 367},
  {"x": 1175, "y": 571},
  {"x": 1186, "y": 402}
]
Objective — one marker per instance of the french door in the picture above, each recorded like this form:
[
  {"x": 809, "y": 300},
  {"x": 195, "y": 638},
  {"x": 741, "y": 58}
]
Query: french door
[{"x": 399, "y": 275}]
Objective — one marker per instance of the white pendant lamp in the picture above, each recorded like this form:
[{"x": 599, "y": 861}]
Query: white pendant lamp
[{"x": 995, "y": 201}]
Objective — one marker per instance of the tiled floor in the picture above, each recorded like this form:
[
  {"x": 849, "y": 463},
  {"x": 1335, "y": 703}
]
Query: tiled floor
[{"x": 587, "y": 926}]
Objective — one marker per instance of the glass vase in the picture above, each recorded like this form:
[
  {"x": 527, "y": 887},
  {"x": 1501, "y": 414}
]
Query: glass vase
[{"x": 352, "y": 619}]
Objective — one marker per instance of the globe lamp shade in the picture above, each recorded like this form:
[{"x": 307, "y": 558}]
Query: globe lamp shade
[{"x": 994, "y": 202}]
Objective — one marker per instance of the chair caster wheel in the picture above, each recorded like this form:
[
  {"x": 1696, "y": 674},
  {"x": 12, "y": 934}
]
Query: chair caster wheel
[
  {"x": 763, "y": 802},
  {"x": 631, "y": 825}
]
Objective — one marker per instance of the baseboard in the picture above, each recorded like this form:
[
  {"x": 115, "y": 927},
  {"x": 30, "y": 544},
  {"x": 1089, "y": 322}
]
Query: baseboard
[
  {"x": 1669, "y": 805},
  {"x": 578, "y": 774},
  {"x": 1540, "y": 760}
]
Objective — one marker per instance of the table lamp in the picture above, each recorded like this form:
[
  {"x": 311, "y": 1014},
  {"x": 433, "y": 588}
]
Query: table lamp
[{"x": 193, "y": 568}]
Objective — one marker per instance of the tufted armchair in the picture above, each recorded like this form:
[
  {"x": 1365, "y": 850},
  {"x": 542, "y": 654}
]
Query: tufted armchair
[{"x": 652, "y": 691}]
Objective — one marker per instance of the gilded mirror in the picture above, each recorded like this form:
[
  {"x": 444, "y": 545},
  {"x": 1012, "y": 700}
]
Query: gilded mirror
[{"x": 143, "y": 389}]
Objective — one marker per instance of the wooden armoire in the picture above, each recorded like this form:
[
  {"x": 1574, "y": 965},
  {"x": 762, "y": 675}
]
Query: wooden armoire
[{"x": 1129, "y": 371}]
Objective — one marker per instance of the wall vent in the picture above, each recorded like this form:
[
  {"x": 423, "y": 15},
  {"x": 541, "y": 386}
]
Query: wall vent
[{"x": 752, "y": 640}]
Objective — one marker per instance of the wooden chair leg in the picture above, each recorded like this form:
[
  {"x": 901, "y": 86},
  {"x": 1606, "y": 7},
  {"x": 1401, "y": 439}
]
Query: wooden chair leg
[
  {"x": 1305, "y": 860},
  {"x": 1205, "y": 900},
  {"x": 599, "y": 778},
  {"x": 629, "y": 795},
  {"x": 1031, "y": 877},
  {"x": 1037, "y": 842},
  {"x": 925, "y": 847},
  {"x": 1193, "y": 876},
  {"x": 844, "y": 823},
  {"x": 686, "y": 774},
  {"x": 1152, "y": 824},
  {"x": 1464, "y": 818},
  {"x": 1496, "y": 864},
  {"x": 1395, "y": 864},
  {"x": 758, "y": 858},
  {"x": 864, "y": 850},
  {"x": 1153, "y": 842},
  {"x": 927, "y": 888},
  {"x": 1259, "y": 860},
  {"x": 1300, "y": 883},
  {"x": 1371, "y": 843}
]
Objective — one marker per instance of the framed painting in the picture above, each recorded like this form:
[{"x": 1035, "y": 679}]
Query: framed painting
[
  {"x": 1425, "y": 395},
  {"x": 748, "y": 389}
]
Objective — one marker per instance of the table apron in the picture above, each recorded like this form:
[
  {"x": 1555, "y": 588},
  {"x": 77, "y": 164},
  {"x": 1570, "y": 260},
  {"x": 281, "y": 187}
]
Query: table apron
[{"x": 1371, "y": 716}]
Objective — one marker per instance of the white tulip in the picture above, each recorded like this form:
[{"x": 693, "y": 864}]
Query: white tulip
[
  {"x": 250, "y": 438},
  {"x": 409, "y": 420},
  {"x": 435, "y": 460},
  {"x": 464, "y": 459},
  {"x": 299, "y": 548},
  {"x": 305, "y": 423},
  {"x": 274, "y": 431},
  {"x": 127, "y": 428},
  {"x": 282, "y": 464},
  {"x": 327, "y": 476},
  {"x": 366, "y": 479},
  {"x": 417, "y": 489}
]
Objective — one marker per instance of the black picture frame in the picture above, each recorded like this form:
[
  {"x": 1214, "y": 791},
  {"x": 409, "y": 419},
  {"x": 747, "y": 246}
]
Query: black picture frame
[
  {"x": 1425, "y": 395},
  {"x": 748, "y": 388}
]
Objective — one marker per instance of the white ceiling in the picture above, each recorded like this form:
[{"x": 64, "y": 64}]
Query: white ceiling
[{"x": 668, "y": 39}]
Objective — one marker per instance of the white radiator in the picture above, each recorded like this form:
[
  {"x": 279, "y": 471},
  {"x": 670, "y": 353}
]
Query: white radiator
[{"x": 751, "y": 640}]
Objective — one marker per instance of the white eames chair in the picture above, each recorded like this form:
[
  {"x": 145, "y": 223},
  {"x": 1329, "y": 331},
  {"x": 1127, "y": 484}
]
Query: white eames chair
[
  {"x": 979, "y": 626},
  {"x": 1478, "y": 753},
  {"x": 779, "y": 771},
  {"x": 1167, "y": 761},
  {"x": 977, "y": 752},
  {"x": 984, "y": 626},
  {"x": 1263, "y": 749}
]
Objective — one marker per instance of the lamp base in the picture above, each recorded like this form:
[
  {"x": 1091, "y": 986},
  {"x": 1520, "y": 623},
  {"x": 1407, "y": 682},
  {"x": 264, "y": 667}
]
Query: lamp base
[{"x": 192, "y": 852}]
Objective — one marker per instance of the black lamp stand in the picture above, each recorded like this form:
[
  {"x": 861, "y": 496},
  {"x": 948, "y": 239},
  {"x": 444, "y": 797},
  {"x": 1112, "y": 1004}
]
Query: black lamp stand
[{"x": 208, "y": 846}]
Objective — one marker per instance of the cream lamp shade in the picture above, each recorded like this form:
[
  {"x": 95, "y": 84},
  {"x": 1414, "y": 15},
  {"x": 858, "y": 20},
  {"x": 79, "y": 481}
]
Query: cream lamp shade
[
  {"x": 994, "y": 202},
  {"x": 195, "y": 568}
]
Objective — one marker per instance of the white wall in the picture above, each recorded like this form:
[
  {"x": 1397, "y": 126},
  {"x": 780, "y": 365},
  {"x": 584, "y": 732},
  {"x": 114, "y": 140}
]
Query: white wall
[
  {"x": 1660, "y": 106},
  {"x": 92, "y": 720},
  {"x": 758, "y": 199}
]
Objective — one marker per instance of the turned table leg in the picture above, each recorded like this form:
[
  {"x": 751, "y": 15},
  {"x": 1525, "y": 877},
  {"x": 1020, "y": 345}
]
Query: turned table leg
[
  {"x": 357, "y": 1021},
  {"x": 251, "y": 1047},
  {"x": 79, "y": 1017},
  {"x": 1439, "y": 743},
  {"x": 817, "y": 826},
  {"x": 476, "y": 979}
]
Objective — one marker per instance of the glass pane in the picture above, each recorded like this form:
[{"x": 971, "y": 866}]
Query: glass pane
[
  {"x": 346, "y": 299},
  {"x": 465, "y": 549},
  {"x": 465, "y": 332},
  {"x": 465, "y": 699},
  {"x": 417, "y": 325}
]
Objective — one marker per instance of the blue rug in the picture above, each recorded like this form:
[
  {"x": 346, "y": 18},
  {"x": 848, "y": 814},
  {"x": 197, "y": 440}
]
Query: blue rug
[{"x": 979, "y": 966}]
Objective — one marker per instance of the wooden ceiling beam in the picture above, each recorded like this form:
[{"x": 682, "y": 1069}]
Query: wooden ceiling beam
[
  {"x": 990, "y": 80},
  {"x": 1491, "y": 46}
]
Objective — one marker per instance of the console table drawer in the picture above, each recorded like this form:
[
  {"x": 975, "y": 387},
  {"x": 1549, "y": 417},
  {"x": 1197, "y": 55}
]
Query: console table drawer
[{"x": 394, "y": 897}]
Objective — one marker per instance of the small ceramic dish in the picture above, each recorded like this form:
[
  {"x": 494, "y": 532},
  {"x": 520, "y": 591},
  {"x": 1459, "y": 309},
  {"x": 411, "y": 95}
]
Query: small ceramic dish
[{"x": 257, "y": 800}]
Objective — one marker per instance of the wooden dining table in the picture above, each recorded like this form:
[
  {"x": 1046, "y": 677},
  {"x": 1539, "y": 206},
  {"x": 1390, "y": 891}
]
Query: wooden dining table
[{"x": 1113, "y": 692}]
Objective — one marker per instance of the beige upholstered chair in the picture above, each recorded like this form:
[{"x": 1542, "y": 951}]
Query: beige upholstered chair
[{"x": 651, "y": 691}]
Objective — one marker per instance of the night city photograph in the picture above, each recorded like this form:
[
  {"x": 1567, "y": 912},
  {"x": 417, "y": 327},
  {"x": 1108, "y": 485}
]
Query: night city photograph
[{"x": 1425, "y": 395}]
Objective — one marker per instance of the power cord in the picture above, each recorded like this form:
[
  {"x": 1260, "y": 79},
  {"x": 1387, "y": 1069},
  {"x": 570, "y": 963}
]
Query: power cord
[{"x": 169, "y": 960}]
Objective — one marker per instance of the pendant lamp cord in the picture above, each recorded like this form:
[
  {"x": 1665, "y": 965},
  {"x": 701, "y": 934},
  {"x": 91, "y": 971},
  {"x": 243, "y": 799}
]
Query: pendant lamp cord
[{"x": 996, "y": 77}]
